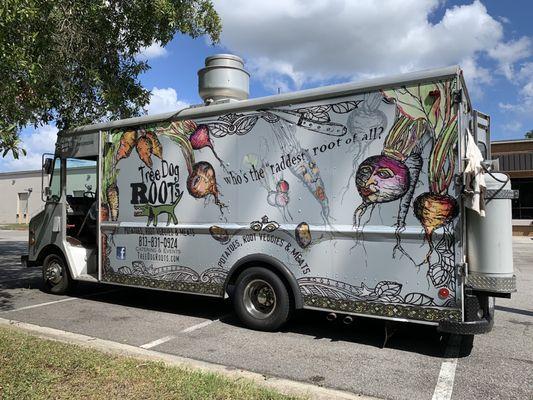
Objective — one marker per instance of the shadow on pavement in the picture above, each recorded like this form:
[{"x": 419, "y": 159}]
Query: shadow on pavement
[
  {"x": 409, "y": 337},
  {"x": 515, "y": 311}
]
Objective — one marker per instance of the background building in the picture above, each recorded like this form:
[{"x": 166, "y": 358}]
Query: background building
[
  {"x": 20, "y": 196},
  {"x": 20, "y": 192},
  {"x": 516, "y": 160}
]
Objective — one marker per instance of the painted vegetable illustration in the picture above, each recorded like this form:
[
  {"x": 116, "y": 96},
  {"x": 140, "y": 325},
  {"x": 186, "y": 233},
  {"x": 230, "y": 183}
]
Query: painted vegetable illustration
[
  {"x": 306, "y": 170},
  {"x": 379, "y": 179},
  {"x": 200, "y": 138},
  {"x": 104, "y": 212},
  {"x": 279, "y": 197},
  {"x": 144, "y": 150},
  {"x": 277, "y": 192},
  {"x": 127, "y": 143},
  {"x": 302, "y": 233},
  {"x": 145, "y": 142},
  {"x": 157, "y": 149},
  {"x": 219, "y": 234},
  {"x": 434, "y": 211},
  {"x": 202, "y": 182},
  {"x": 431, "y": 103},
  {"x": 368, "y": 118},
  {"x": 113, "y": 201}
]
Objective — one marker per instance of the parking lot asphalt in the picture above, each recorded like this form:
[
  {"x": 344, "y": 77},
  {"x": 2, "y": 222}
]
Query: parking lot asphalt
[{"x": 415, "y": 361}]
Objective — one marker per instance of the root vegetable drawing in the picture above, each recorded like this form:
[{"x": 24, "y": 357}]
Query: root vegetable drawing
[
  {"x": 200, "y": 138},
  {"x": 202, "y": 182}
]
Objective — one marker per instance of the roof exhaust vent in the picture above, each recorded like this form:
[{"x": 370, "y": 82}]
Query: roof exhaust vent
[{"x": 223, "y": 79}]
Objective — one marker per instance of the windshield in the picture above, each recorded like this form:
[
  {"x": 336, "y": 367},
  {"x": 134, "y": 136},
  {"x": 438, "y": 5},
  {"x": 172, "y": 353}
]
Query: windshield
[{"x": 81, "y": 177}]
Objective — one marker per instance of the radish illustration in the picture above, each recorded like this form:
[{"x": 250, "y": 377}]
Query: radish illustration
[{"x": 200, "y": 138}]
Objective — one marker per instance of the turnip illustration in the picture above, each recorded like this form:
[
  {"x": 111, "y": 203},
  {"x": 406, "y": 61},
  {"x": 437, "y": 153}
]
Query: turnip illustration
[
  {"x": 433, "y": 104},
  {"x": 436, "y": 209},
  {"x": 379, "y": 179},
  {"x": 386, "y": 177},
  {"x": 202, "y": 182},
  {"x": 279, "y": 198},
  {"x": 200, "y": 138},
  {"x": 363, "y": 121}
]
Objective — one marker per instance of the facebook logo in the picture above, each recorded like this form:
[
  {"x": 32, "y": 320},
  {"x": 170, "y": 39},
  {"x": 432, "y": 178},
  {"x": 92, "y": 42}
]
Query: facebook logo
[{"x": 121, "y": 253}]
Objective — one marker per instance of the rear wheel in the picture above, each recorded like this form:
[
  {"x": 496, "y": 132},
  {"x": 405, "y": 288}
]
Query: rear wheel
[
  {"x": 261, "y": 299},
  {"x": 55, "y": 275}
]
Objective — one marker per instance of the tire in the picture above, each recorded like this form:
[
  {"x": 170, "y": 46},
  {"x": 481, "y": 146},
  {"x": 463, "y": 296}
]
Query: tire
[
  {"x": 56, "y": 276},
  {"x": 261, "y": 299}
]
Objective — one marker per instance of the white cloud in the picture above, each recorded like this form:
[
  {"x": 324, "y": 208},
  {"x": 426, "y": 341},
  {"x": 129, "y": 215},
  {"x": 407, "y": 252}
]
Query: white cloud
[
  {"x": 288, "y": 43},
  {"x": 155, "y": 50},
  {"x": 35, "y": 142},
  {"x": 507, "y": 54},
  {"x": 524, "y": 105},
  {"x": 164, "y": 100},
  {"x": 513, "y": 126}
]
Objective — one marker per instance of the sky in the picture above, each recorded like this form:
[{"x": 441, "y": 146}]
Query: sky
[{"x": 291, "y": 45}]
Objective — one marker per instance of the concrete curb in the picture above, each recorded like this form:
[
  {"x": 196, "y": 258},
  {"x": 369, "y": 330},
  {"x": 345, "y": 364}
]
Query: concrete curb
[{"x": 281, "y": 385}]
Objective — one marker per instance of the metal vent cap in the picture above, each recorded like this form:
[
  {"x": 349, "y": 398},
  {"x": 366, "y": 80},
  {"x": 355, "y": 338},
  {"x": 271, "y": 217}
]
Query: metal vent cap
[{"x": 223, "y": 79}]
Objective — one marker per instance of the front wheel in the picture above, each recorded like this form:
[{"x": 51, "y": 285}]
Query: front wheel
[
  {"x": 55, "y": 275},
  {"x": 261, "y": 299}
]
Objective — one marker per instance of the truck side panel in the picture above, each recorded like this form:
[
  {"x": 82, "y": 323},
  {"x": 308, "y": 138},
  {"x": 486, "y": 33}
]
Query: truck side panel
[{"x": 354, "y": 195}]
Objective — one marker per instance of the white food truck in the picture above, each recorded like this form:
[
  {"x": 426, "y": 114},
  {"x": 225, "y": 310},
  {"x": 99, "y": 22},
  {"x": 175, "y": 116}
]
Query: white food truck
[{"x": 360, "y": 199}]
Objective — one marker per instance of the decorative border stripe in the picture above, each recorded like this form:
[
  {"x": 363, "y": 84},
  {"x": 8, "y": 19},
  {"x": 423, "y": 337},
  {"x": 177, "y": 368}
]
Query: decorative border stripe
[{"x": 386, "y": 310}]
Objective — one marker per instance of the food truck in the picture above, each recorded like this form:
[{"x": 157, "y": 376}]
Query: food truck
[{"x": 359, "y": 199}]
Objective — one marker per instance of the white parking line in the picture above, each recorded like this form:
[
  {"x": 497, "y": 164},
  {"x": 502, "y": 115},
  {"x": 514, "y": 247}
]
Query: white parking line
[
  {"x": 59, "y": 301},
  {"x": 186, "y": 330},
  {"x": 42, "y": 304},
  {"x": 157, "y": 342},
  {"x": 202, "y": 324},
  {"x": 444, "y": 387}
]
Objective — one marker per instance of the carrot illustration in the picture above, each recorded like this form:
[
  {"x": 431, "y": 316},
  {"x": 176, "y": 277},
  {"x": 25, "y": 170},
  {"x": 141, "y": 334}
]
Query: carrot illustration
[
  {"x": 112, "y": 201},
  {"x": 127, "y": 143},
  {"x": 144, "y": 149},
  {"x": 157, "y": 149}
]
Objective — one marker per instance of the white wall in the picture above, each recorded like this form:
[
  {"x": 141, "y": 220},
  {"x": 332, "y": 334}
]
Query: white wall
[{"x": 13, "y": 183}]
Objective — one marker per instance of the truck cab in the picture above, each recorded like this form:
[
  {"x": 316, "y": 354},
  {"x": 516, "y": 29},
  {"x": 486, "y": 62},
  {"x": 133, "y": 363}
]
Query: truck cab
[{"x": 63, "y": 236}]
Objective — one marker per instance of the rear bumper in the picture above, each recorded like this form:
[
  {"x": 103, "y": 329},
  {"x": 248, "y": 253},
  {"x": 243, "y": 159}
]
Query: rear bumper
[
  {"x": 478, "y": 316},
  {"x": 468, "y": 327}
]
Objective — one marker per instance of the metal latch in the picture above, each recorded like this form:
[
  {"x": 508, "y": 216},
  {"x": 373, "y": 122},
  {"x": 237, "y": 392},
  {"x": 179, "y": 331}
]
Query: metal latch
[{"x": 460, "y": 269}]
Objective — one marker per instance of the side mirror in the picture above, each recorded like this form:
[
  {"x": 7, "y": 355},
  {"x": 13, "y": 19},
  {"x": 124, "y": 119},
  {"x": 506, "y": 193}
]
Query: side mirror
[{"x": 48, "y": 165}]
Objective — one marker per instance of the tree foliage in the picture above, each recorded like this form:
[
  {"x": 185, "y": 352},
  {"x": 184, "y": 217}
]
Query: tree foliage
[
  {"x": 74, "y": 61},
  {"x": 529, "y": 134}
]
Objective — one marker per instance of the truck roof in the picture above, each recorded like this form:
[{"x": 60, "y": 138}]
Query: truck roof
[{"x": 343, "y": 89}]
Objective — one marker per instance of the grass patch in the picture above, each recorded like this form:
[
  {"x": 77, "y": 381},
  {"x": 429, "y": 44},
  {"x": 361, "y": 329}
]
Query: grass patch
[
  {"x": 14, "y": 227},
  {"x": 36, "y": 368}
]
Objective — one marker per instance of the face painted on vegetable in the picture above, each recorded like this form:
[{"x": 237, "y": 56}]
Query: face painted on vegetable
[
  {"x": 202, "y": 180},
  {"x": 380, "y": 179}
]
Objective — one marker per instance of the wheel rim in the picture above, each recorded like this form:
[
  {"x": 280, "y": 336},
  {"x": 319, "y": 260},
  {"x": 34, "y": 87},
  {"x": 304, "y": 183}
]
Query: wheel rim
[
  {"x": 259, "y": 299},
  {"x": 53, "y": 272}
]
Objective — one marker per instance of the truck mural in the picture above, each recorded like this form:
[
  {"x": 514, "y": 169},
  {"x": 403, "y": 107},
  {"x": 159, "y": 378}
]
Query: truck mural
[{"x": 350, "y": 198}]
